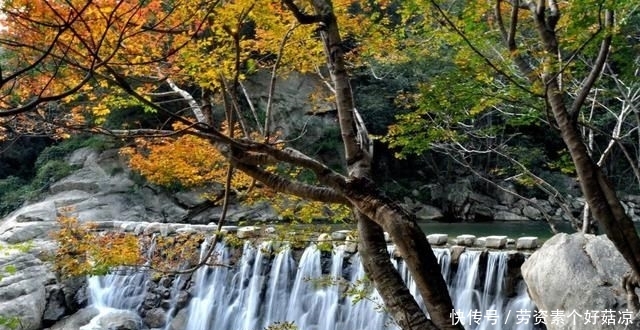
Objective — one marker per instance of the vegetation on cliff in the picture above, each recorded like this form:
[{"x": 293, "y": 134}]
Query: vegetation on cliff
[{"x": 496, "y": 77}]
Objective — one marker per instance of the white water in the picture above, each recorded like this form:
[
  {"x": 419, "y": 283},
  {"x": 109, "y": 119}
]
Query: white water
[{"x": 267, "y": 286}]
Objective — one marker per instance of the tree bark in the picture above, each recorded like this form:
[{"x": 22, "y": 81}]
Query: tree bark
[
  {"x": 395, "y": 294},
  {"x": 405, "y": 233},
  {"x": 598, "y": 192}
]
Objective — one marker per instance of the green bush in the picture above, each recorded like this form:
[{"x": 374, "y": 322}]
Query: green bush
[
  {"x": 50, "y": 166},
  {"x": 66, "y": 147},
  {"x": 12, "y": 192},
  {"x": 49, "y": 173}
]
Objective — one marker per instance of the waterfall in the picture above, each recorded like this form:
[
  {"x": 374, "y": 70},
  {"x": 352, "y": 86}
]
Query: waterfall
[
  {"x": 124, "y": 289},
  {"x": 265, "y": 286}
]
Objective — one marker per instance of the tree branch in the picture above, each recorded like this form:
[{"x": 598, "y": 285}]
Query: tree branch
[
  {"x": 596, "y": 70},
  {"x": 299, "y": 15}
]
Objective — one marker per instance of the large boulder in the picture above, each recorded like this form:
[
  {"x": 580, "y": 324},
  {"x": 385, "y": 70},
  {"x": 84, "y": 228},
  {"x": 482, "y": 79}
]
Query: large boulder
[
  {"x": 578, "y": 275},
  {"x": 77, "y": 320},
  {"x": 115, "y": 319}
]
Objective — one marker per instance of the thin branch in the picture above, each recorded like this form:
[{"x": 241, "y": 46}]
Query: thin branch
[
  {"x": 596, "y": 70},
  {"x": 477, "y": 51}
]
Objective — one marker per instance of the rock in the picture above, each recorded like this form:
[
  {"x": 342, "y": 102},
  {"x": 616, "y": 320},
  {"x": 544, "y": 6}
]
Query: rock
[
  {"x": 179, "y": 322},
  {"x": 156, "y": 228},
  {"x": 526, "y": 243},
  {"x": 481, "y": 242},
  {"x": 191, "y": 198},
  {"x": 456, "y": 252},
  {"x": 23, "y": 279},
  {"x": 427, "y": 212},
  {"x": 495, "y": 242},
  {"x": 578, "y": 273},
  {"x": 340, "y": 235},
  {"x": 350, "y": 244},
  {"x": 114, "y": 319},
  {"x": 504, "y": 197},
  {"x": 482, "y": 212},
  {"x": 155, "y": 318},
  {"x": 229, "y": 229},
  {"x": 324, "y": 237},
  {"x": 19, "y": 232},
  {"x": 438, "y": 239},
  {"x": 508, "y": 216},
  {"x": 76, "y": 320},
  {"x": 632, "y": 198},
  {"x": 531, "y": 212},
  {"x": 466, "y": 240},
  {"x": 56, "y": 306},
  {"x": 247, "y": 232}
]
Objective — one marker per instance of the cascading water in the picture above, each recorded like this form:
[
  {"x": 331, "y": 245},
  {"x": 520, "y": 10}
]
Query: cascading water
[
  {"x": 266, "y": 286},
  {"x": 124, "y": 289}
]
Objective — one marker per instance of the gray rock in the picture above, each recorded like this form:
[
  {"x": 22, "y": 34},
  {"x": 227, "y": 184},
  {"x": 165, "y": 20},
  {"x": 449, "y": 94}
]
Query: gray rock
[
  {"x": 508, "y": 216},
  {"x": 229, "y": 229},
  {"x": 155, "y": 318},
  {"x": 527, "y": 242},
  {"x": 324, "y": 237},
  {"x": 531, "y": 212},
  {"x": 495, "y": 242},
  {"x": 505, "y": 197},
  {"x": 456, "y": 252},
  {"x": 56, "y": 306},
  {"x": 23, "y": 279},
  {"x": 426, "y": 212},
  {"x": 481, "y": 241},
  {"x": 115, "y": 319},
  {"x": 247, "y": 232},
  {"x": 339, "y": 235},
  {"x": 438, "y": 239},
  {"x": 483, "y": 212},
  {"x": 26, "y": 231},
  {"x": 179, "y": 322},
  {"x": 466, "y": 240},
  {"x": 577, "y": 273},
  {"x": 76, "y": 320}
]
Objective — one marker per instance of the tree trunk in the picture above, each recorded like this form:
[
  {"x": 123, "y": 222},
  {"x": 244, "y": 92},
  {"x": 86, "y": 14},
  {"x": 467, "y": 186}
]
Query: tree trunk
[
  {"x": 405, "y": 233},
  {"x": 598, "y": 192},
  {"x": 395, "y": 294}
]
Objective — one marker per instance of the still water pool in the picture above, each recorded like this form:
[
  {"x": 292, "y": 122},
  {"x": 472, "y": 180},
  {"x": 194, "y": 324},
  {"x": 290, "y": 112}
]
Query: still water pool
[{"x": 513, "y": 229}]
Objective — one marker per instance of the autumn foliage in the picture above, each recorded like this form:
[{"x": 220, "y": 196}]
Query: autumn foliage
[{"x": 82, "y": 250}]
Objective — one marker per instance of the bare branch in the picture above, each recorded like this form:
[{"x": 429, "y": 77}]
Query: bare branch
[{"x": 596, "y": 70}]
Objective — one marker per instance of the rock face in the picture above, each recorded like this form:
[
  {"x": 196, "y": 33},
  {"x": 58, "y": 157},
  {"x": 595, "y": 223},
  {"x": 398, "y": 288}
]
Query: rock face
[
  {"x": 23, "y": 288},
  {"x": 101, "y": 190},
  {"x": 578, "y": 274}
]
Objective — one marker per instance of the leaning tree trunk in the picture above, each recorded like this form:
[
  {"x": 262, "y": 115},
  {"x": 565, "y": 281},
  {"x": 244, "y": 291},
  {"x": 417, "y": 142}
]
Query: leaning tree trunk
[
  {"x": 598, "y": 191},
  {"x": 409, "y": 239}
]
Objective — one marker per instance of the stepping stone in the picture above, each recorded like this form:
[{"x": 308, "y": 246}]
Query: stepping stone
[
  {"x": 496, "y": 242},
  {"x": 527, "y": 243},
  {"x": 466, "y": 240},
  {"x": 438, "y": 239}
]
